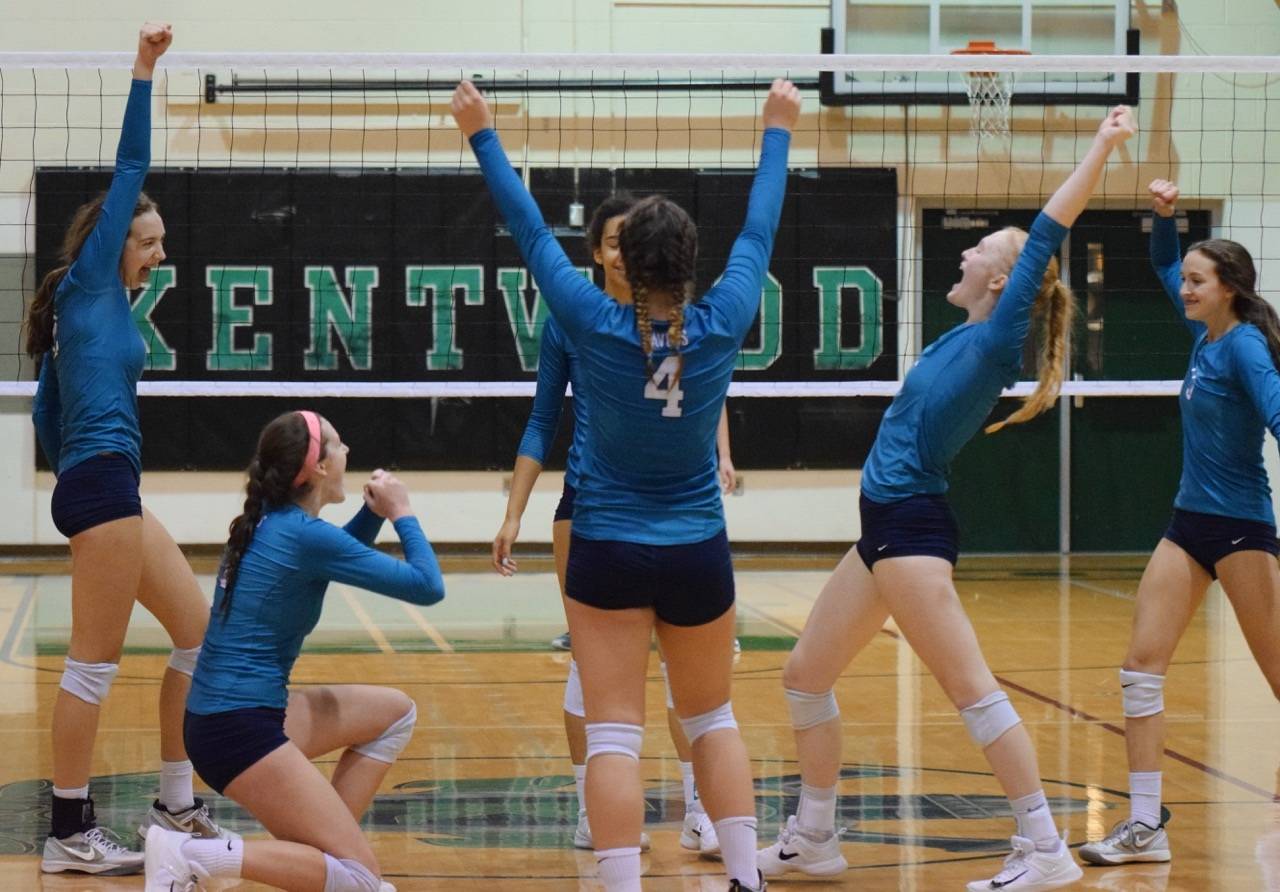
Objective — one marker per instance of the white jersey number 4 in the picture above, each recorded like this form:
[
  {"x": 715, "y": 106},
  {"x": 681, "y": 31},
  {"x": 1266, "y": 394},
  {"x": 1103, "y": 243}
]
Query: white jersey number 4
[{"x": 666, "y": 387}]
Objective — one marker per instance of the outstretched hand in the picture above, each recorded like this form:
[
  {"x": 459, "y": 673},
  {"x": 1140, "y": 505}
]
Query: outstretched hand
[
  {"x": 470, "y": 109},
  {"x": 1164, "y": 195},
  {"x": 1117, "y": 126},
  {"x": 782, "y": 105},
  {"x": 153, "y": 40}
]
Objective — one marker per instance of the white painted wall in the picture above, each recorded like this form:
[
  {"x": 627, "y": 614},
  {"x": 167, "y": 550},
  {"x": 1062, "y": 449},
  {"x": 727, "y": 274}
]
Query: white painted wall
[{"x": 798, "y": 506}]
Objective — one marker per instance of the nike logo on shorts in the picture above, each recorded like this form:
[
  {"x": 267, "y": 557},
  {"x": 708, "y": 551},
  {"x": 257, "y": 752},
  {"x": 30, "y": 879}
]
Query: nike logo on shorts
[
  {"x": 883, "y": 547},
  {"x": 1237, "y": 541}
]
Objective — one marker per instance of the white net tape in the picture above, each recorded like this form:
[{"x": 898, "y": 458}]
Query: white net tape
[{"x": 468, "y": 389}]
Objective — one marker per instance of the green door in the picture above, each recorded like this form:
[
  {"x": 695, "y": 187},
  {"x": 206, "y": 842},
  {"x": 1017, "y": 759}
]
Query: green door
[{"x": 1125, "y": 452}]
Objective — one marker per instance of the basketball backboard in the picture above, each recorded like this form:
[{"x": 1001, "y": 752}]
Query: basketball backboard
[{"x": 937, "y": 27}]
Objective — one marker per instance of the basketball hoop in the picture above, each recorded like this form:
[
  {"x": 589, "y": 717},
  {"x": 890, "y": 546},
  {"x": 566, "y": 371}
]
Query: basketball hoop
[{"x": 989, "y": 91}]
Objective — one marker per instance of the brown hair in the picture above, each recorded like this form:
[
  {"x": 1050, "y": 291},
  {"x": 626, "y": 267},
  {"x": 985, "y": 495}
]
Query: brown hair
[
  {"x": 282, "y": 448},
  {"x": 40, "y": 314},
  {"x": 1234, "y": 267},
  {"x": 616, "y": 205},
  {"x": 659, "y": 244},
  {"x": 1054, "y": 313}
]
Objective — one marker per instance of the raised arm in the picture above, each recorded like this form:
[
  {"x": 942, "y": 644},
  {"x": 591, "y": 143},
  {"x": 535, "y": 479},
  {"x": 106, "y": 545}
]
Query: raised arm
[
  {"x": 575, "y": 302},
  {"x": 98, "y": 264},
  {"x": 46, "y": 412},
  {"x": 737, "y": 295},
  {"x": 1066, "y": 204},
  {"x": 1166, "y": 252},
  {"x": 1011, "y": 318},
  {"x": 539, "y": 434}
]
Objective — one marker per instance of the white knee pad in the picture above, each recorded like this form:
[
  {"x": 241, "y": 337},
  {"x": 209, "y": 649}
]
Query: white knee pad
[
  {"x": 989, "y": 718},
  {"x": 344, "y": 875},
  {"x": 614, "y": 737},
  {"x": 573, "y": 692},
  {"x": 391, "y": 742},
  {"x": 666, "y": 681},
  {"x": 88, "y": 681},
  {"x": 808, "y": 710},
  {"x": 183, "y": 659},
  {"x": 717, "y": 719},
  {"x": 1143, "y": 693}
]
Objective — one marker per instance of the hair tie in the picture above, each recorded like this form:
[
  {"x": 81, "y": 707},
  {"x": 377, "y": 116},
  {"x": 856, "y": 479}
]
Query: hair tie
[{"x": 313, "y": 447}]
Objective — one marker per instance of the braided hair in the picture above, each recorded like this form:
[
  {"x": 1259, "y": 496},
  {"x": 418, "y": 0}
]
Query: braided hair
[
  {"x": 282, "y": 449},
  {"x": 659, "y": 245}
]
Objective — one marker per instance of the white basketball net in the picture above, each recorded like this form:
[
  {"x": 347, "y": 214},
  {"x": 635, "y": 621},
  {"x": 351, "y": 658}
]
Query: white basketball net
[{"x": 989, "y": 94}]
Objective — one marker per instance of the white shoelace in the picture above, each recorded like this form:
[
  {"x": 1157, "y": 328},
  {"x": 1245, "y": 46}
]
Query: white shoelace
[{"x": 97, "y": 836}]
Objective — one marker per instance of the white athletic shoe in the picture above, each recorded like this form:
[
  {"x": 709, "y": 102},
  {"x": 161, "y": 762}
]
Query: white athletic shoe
[
  {"x": 582, "y": 836},
  {"x": 699, "y": 834},
  {"x": 796, "y": 851},
  {"x": 93, "y": 851},
  {"x": 386, "y": 887},
  {"x": 1128, "y": 841},
  {"x": 168, "y": 870},
  {"x": 1029, "y": 870},
  {"x": 195, "y": 820}
]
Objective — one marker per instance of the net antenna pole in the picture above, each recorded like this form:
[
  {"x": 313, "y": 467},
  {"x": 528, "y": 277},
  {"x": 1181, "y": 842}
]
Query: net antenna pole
[{"x": 989, "y": 91}]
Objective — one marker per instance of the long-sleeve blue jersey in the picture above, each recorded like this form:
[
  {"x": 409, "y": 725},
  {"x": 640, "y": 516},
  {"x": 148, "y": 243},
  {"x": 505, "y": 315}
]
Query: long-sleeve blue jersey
[
  {"x": 1231, "y": 394},
  {"x": 647, "y": 472},
  {"x": 250, "y": 650},
  {"x": 557, "y": 366},
  {"x": 98, "y": 352},
  {"x": 956, "y": 382}
]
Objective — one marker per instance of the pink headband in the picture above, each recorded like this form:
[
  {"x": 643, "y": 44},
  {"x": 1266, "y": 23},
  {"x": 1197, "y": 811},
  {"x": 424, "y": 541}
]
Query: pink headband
[{"x": 313, "y": 447}]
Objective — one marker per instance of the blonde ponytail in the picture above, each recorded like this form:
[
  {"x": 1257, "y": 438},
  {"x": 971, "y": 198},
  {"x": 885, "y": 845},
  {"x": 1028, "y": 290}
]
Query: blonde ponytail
[{"x": 1054, "y": 312}]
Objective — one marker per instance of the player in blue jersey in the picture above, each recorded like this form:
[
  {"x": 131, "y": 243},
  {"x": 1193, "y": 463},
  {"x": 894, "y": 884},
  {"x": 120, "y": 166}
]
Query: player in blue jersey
[
  {"x": 557, "y": 367},
  {"x": 86, "y": 417},
  {"x": 902, "y": 565},
  {"x": 1223, "y": 526},
  {"x": 648, "y": 549},
  {"x": 251, "y": 738}
]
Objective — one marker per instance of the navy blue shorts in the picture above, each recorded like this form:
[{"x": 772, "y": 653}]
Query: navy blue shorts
[
  {"x": 916, "y": 525},
  {"x": 686, "y": 585},
  {"x": 1208, "y": 538},
  {"x": 564, "y": 510},
  {"x": 223, "y": 745},
  {"x": 99, "y": 489}
]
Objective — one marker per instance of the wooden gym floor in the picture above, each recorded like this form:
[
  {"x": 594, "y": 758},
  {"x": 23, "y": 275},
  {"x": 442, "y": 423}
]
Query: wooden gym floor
[{"x": 483, "y": 798}]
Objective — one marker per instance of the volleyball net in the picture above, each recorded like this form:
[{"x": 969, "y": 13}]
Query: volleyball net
[{"x": 330, "y": 238}]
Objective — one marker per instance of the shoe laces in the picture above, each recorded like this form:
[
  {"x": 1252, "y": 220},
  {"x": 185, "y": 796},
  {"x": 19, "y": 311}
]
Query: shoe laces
[
  {"x": 106, "y": 841},
  {"x": 1015, "y": 863},
  {"x": 1126, "y": 833}
]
